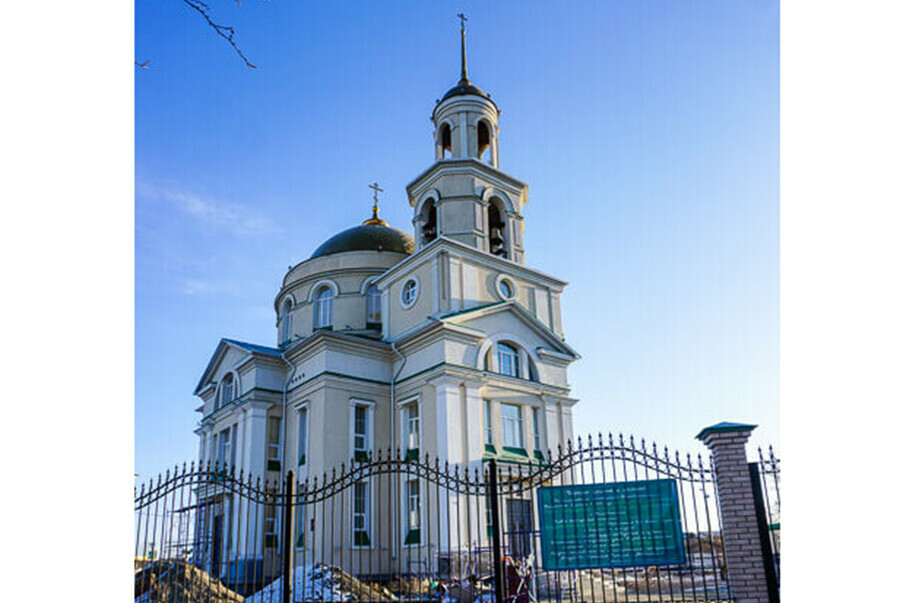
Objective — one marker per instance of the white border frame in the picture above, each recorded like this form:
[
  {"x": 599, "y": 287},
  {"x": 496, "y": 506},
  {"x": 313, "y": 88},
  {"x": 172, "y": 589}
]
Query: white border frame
[{"x": 415, "y": 279}]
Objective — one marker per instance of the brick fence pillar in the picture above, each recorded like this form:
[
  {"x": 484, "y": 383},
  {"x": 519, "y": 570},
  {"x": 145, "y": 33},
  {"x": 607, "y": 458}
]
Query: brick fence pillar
[{"x": 740, "y": 531}]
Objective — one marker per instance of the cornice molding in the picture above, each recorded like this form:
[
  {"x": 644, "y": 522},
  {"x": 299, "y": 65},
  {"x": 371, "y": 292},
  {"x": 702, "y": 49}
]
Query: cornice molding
[{"x": 465, "y": 166}]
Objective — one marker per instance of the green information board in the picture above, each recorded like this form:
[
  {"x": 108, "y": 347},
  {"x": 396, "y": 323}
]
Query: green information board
[{"x": 611, "y": 525}]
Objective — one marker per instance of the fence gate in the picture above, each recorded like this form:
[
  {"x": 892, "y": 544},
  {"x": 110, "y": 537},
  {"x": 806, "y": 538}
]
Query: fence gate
[{"x": 603, "y": 520}]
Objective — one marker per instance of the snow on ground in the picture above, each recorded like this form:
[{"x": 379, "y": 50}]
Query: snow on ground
[{"x": 311, "y": 583}]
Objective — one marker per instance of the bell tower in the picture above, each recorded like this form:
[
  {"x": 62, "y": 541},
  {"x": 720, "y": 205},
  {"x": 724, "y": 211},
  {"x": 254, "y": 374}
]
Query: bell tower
[
  {"x": 468, "y": 126},
  {"x": 464, "y": 195}
]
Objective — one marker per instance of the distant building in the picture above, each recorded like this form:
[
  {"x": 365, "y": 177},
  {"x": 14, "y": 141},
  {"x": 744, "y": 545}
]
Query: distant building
[{"x": 444, "y": 342}]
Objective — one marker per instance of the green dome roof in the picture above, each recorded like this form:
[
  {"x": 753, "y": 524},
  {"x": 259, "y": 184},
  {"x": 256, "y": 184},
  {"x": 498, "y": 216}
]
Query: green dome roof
[{"x": 367, "y": 237}]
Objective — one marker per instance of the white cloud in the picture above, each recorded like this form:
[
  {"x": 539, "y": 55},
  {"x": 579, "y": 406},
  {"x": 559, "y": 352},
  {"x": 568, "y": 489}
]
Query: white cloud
[
  {"x": 237, "y": 219},
  {"x": 234, "y": 218},
  {"x": 192, "y": 286}
]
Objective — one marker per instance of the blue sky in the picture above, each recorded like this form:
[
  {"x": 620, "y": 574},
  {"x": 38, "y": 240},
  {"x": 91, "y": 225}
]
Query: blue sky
[{"x": 648, "y": 133}]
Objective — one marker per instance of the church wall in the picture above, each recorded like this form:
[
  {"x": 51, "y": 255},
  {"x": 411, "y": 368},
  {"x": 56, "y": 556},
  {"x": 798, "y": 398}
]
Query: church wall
[
  {"x": 255, "y": 375},
  {"x": 402, "y": 319},
  {"x": 360, "y": 366},
  {"x": 347, "y": 271}
]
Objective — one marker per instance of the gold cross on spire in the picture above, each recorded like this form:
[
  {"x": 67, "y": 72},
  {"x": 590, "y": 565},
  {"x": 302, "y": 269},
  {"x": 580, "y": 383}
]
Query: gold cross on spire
[{"x": 375, "y": 220}]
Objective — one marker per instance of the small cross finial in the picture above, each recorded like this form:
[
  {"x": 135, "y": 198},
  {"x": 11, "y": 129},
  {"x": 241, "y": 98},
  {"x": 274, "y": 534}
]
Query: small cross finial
[
  {"x": 375, "y": 220},
  {"x": 462, "y": 20},
  {"x": 374, "y": 186}
]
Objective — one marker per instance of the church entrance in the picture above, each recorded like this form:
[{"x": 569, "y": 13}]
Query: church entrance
[{"x": 519, "y": 527}]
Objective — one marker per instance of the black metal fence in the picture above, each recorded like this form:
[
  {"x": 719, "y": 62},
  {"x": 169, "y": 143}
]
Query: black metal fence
[
  {"x": 403, "y": 528},
  {"x": 768, "y": 473}
]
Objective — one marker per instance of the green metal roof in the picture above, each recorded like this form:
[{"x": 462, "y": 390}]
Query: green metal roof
[
  {"x": 367, "y": 237},
  {"x": 724, "y": 427}
]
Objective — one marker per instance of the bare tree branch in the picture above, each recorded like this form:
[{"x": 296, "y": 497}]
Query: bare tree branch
[
  {"x": 144, "y": 65},
  {"x": 225, "y": 31}
]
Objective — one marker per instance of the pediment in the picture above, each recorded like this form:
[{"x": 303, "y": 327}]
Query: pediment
[
  {"x": 227, "y": 355},
  {"x": 510, "y": 318}
]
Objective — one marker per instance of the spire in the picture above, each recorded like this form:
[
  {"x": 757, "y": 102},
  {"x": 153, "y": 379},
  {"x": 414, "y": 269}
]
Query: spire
[
  {"x": 375, "y": 220},
  {"x": 464, "y": 75}
]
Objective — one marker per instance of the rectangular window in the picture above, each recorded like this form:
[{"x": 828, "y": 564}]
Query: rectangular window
[
  {"x": 361, "y": 514},
  {"x": 413, "y": 512},
  {"x": 489, "y": 521},
  {"x": 488, "y": 431},
  {"x": 270, "y": 537},
  {"x": 227, "y": 390},
  {"x": 536, "y": 427},
  {"x": 511, "y": 417},
  {"x": 273, "y": 444},
  {"x": 411, "y": 420},
  {"x": 300, "y": 520},
  {"x": 373, "y": 306},
  {"x": 301, "y": 436},
  {"x": 224, "y": 448},
  {"x": 231, "y": 462},
  {"x": 507, "y": 360},
  {"x": 361, "y": 433}
]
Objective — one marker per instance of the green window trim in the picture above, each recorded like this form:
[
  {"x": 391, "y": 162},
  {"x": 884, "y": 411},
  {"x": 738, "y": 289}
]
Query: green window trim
[
  {"x": 413, "y": 537},
  {"x": 361, "y": 538},
  {"x": 539, "y": 455},
  {"x": 489, "y": 448},
  {"x": 515, "y": 451},
  {"x": 412, "y": 455},
  {"x": 490, "y": 531}
]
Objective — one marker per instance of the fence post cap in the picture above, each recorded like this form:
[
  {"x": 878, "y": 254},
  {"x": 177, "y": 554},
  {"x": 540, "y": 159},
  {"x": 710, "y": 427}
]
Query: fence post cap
[{"x": 724, "y": 427}]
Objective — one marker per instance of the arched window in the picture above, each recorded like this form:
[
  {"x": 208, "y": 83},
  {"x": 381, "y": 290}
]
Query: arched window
[
  {"x": 286, "y": 321},
  {"x": 484, "y": 142},
  {"x": 226, "y": 391},
  {"x": 507, "y": 360},
  {"x": 373, "y": 307},
  {"x": 446, "y": 144},
  {"x": 497, "y": 228},
  {"x": 324, "y": 303},
  {"x": 429, "y": 222}
]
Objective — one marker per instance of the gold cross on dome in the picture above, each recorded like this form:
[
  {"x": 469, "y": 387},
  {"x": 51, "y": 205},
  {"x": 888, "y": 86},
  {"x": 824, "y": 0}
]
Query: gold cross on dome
[
  {"x": 375, "y": 220},
  {"x": 374, "y": 186}
]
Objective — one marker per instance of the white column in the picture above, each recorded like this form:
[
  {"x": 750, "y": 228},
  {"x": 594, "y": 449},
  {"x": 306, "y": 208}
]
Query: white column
[
  {"x": 472, "y": 412},
  {"x": 447, "y": 417},
  {"x": 553, "y": 430},
  {"x": 455, "y": 279},
  {"x": 449, "y": 448},
  {"x": 463, "y": 135},
  {"x": 495, "y": 147},
  {"x": 254, "y": 449}
]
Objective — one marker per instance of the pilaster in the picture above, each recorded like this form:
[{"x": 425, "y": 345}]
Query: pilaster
[{"x": 254, "y": 451}]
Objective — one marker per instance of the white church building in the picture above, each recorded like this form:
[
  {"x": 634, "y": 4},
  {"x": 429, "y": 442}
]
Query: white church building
[{"x": 442, "y": 342}]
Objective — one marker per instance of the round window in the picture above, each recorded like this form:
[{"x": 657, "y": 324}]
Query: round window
[
  {"x": 505, "y": 287},
  {"x": 409, "y": 293}
]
